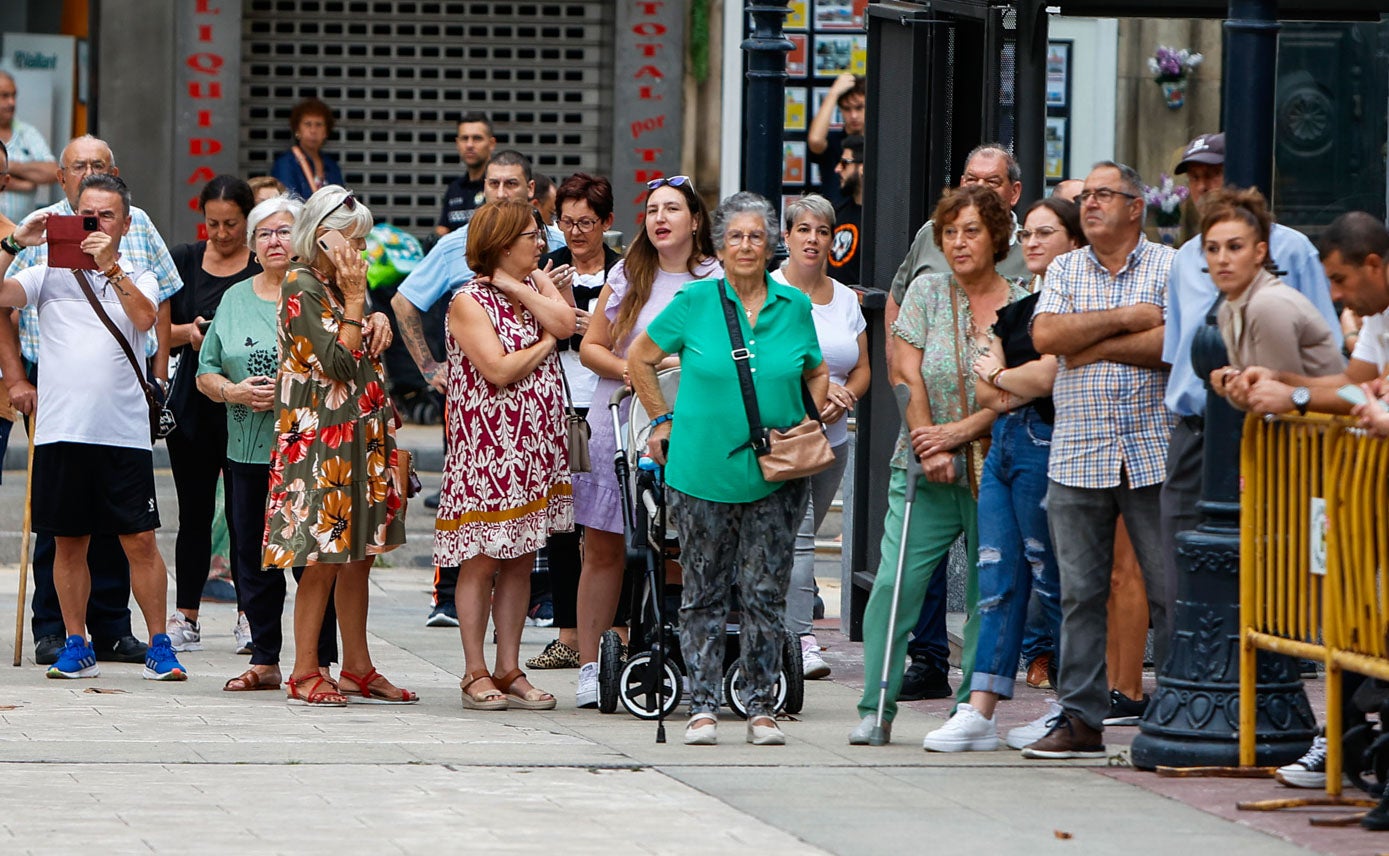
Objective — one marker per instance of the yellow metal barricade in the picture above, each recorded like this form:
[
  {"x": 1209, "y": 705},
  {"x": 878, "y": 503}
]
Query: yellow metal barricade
[{"x": 1314, "y": 540}]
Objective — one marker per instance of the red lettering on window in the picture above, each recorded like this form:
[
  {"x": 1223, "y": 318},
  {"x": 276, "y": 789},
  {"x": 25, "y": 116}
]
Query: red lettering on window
[
  {"x": 648, "y": 7},
  {"x": 207, "y": 63},
  {"x": 204, "y": 146},
  {"x": 648, "y": 155},
  {"x": 646, "y": 93},
  {"x": 203, "y": 9},
  {"x": 204, "y": 118},
  {"x": 649, "y": 71},
  {"x": 204, "y": 32},
  {"x": 201, "y": 175},
  {"x": 645, "y": 175},
  {"x": 650, "y": 28},
  {"x": 212, "y": 88},
  {"x": 649, "y": 50}
]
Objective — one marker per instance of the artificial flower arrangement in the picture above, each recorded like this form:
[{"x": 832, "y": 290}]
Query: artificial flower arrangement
[
  {"x": 1165, "y": 200},
  {"x": 1169, "y": 65}
]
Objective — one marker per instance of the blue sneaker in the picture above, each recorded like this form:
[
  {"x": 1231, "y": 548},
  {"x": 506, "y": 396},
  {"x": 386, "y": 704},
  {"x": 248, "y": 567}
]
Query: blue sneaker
[
  {"x": 161, "y": 664},
  {"x": 77, "y": 660}
]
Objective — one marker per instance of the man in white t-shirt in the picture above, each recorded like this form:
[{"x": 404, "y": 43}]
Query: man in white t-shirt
[
  {"x": 1354, "y": 251},
  {"x": 93, "y": 468}
]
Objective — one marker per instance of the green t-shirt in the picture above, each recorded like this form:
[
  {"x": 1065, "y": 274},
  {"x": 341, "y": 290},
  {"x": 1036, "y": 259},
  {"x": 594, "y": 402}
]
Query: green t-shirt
[
  {"x": 241, "y": 344},
  {"x": 710, "y": 420}
]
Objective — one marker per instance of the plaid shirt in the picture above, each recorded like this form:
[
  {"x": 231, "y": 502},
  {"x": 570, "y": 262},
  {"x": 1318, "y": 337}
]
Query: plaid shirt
[
  {"x": 1109, "y": 416},
  {"x": 141, "y": 246}
]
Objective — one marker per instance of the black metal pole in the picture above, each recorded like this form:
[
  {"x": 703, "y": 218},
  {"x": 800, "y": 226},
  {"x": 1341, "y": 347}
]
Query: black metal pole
[
  {"x": 764, "y": 107},
  {"x": 1029, "y": 137},
  {"x": 1193, "y": 719}
]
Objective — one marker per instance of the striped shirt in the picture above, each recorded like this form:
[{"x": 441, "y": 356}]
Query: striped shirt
[
  {"x": 141, "y": 246},
  {"x": 1110, "y": 417}
]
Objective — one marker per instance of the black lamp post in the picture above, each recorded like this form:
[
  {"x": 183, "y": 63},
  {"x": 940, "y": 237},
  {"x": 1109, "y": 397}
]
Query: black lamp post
[
  {"x": 1194, "y": 715},
  {"x": 764, "y": 104}
]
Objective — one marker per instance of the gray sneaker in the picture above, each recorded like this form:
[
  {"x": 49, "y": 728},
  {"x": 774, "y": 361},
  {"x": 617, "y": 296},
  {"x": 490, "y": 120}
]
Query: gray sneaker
[
  {"x": 863, "y": 732},
  {"x": 184, "y": 635},
  {"x": 1036, "y": 729}
]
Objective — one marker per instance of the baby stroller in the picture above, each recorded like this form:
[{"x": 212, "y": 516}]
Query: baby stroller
[{"x": 649, "y": 684}]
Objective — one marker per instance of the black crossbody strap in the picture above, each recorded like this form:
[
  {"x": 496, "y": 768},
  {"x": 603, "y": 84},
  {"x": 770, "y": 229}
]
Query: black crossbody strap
[
  {"x": 115, "y": 332},
  {"x": 740, "y": 354}
]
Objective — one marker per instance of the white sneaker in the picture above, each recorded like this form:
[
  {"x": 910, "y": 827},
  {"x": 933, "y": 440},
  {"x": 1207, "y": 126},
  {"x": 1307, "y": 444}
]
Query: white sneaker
[
  {"x": 812, "y": 664},
  {"x": 184, "y": 635},
  {"x": 1309, "y": 771},
  {"x": 966, "y": 731},
  {"x": 242, "y": 634},
  {"x": 587, "y": 696},
  {"x": 1025, "y": 735}
]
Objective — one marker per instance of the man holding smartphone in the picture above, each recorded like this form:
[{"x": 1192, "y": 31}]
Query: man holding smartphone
[
  {"x": 93, "y": 467},
  {"x": 108, "y": 616}
]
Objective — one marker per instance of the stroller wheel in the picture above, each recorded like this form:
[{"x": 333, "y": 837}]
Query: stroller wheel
[
  {"x": 793, "y": 673},
  {"x": 734, "y": 694},
  {"x": 637, "y": 687},
  {"x": 609, "y": 670}
]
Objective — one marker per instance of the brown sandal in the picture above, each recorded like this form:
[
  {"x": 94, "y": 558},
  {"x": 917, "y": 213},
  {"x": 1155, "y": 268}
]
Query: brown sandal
[
  {"x": 316, "y": 697},
  {"x": 251, "y": 680},
  {"x": 493, "y": 699},
  {"x": 533, "y": 699},
  {"x": 364, "y": 693}
]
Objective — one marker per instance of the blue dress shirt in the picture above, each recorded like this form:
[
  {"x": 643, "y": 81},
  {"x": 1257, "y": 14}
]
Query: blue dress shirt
[{"x": 445, "y": 269}]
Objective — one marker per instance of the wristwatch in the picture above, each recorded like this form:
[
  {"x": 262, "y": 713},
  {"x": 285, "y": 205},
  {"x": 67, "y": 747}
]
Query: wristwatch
[{"x": 1302, "y": 396}]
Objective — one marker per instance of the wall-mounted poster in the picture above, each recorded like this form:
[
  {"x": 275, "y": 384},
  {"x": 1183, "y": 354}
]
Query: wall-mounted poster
[
  {"x": 1056, "y": 148},
  {"x": 799, "y": 18},
  {"x": 797, "y": 118},
  {"x": 793, "y": 164},
  {"x": 835, "y": 55},
  {"x": 798, "y": 59},
  {"x": 840, "y": 14},
  {"x": 836, "y": 118},
  {"x": 1058, "y": 70}
]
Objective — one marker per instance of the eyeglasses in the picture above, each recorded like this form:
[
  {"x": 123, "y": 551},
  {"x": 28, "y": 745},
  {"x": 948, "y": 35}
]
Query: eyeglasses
[
  {"x": 81, "y": 167},
  {"x": 673, "y": 181},
  {"x": 283, "y": 233},
  {"x": 992, "y": 181},
  {"x": 349, "y": 202},
  {"x": 1103, "y": 195},
  {"x": 847, "y": 161},
  {"x": 1041, "y": 232},
  {"x": 581, "y": 225},
  {"x": 734, "y": 239},
  {"x": 533, "y": 234}
]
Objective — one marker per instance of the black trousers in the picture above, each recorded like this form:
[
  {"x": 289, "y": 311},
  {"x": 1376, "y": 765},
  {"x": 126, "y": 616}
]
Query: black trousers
[
  {"x": 196, "y": 455},
  {"x": 261, "y": 591}
]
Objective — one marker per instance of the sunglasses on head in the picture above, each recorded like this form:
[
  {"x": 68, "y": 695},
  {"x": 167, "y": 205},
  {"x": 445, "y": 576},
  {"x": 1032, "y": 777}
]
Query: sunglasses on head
[
  {"x": 673, "y": 181},
  {"x": 349, "y": 202}
]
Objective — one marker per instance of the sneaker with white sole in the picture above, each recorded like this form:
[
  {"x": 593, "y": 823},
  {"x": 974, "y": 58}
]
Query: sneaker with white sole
[
  {"x": 242, "y": 634},
  {"x": 587, "y": 695},
  {"x": 1035, "y": 730},
  {"x": 966, "y": 731},
  {"x": 184, "y": 635},
  {"x": 76, "y": 660},
  {"x": 160, "y": 662},
  {"x": 813, "y": 666},
  {"x": 1309, "y": 771}
]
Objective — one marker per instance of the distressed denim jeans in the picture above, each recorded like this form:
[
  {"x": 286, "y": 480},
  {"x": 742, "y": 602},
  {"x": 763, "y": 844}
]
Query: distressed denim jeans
[{"x": 1015, "y": 553}]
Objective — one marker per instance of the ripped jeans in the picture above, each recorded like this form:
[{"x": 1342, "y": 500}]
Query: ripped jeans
[{"x": 1015, "y": 553}]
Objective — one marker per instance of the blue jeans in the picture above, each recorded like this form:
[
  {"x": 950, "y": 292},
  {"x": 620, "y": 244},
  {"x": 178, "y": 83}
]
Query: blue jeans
[{"x": 1015, "y": 554}]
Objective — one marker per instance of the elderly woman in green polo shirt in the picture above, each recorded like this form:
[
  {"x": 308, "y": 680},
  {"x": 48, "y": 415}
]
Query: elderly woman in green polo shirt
[{"x": 734, "y": 525}]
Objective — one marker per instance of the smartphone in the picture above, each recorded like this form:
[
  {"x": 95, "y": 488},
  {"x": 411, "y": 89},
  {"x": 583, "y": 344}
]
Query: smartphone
[
  {"x": 89, "y": 224},
  {"x": 331, "y": 240},
  {"x": 203, "y": 326}
]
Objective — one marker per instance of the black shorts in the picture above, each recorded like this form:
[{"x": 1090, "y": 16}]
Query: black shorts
[{"x": 84, "y": 489}]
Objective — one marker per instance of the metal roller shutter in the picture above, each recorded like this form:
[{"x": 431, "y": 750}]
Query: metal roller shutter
[{"x": 397, "y": 73}]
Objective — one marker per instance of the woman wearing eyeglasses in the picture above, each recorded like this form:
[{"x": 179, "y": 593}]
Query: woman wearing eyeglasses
[
  {"x": 506, "y": 482},
  {"x": 673, "y": 248},
  {"x": 236, "y": 368},
  {"x": 585, "y": 205},
  {"x": 1015, "y": 556},
  {"x": 334, "y": 502}
]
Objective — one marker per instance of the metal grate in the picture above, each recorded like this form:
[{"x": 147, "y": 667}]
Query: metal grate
[{"x": 397, "y": 73}]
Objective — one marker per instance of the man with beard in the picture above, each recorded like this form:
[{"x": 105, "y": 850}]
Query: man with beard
[{"x": 848, "y": 215}]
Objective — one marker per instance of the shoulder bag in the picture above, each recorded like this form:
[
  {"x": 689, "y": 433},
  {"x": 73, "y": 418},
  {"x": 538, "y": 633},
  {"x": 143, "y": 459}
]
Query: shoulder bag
[
  {"x": 162, "y": 422},
  {"x": 782, "y": 455},
  {"x": 576, "y": 431}
]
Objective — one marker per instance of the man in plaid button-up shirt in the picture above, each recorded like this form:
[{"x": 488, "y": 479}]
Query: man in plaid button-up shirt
[{"x": 1102, "y": 311}]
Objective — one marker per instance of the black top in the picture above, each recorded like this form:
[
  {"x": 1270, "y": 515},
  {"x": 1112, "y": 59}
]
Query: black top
[
  {"x": 201, "y": 295},
  {"x": 460, "y": 199},
  {"x": 848, "y": 239},
  {"x": 827, "y": 161},
  {"x": 583, "y": 295},
  {"x": 1012, "y": 330}
]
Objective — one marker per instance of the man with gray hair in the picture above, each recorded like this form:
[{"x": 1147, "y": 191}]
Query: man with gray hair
[
  {"x": 1102, "y": 311},
  {"x": 31, "y": 162}
]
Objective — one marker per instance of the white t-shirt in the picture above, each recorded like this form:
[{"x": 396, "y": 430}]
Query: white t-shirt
[
  {"x": 837, "y": 326},
  {"x": 582, "y": 382},
  {"x": 87, "y": 390},
  {"x": 1372, "y": 346}
]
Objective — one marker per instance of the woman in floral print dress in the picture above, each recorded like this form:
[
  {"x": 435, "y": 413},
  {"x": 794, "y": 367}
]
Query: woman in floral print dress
[
  {"x": 506, "y": 478},
  {"x": 334, "y": 503}
]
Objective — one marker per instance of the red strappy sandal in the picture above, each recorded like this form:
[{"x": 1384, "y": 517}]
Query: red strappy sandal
[
  {"x": 366, "y": 695},
  {"x": 315, "y": 697}
]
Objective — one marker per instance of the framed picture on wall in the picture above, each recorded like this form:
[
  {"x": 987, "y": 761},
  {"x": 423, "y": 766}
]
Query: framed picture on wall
[
  {"x": 793, "y": 163},
  {"x": 796, "y": 109},
  {"x": 1058, "y": 73},
  {"x": 835, "y": 55},
  {"x": 1055, "y": 148},
  {"x": 840, "y": 15},
  {"x": 798, "y": 59},
  {"x": 836, "y": 119},
  {"x": 799, "y": 18}
]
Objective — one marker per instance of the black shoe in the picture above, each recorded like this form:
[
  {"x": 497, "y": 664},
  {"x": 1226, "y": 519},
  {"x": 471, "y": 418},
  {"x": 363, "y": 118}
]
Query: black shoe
[
  {"x": 432, "y": 501},
  {"x": 126, "y": 649},
  {"x": 1377, "y": 818},
  {"x": 819, "y": 611},
  {"x": 47, "y": 649},
  {"x": 443, "y": 615},
  {"x": 1124, "y": 710},
  {"x": 923, "y": 681}
]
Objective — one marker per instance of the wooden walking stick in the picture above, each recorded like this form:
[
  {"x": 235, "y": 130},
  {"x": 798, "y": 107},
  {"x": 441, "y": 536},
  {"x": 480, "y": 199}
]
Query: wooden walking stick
[{"x": 24, "y": 546}]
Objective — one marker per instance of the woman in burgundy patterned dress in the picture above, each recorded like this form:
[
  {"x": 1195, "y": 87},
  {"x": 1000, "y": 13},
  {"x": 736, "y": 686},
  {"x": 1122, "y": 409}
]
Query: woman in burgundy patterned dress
[{"x": 506, "y": 477}]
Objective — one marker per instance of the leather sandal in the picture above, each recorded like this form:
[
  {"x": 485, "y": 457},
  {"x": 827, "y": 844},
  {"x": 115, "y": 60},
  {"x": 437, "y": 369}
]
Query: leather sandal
[
  {"x": 493, "y": 699},
  {"x": 316, "y": 697},
  {"x": 532, "y": 699},
  {"x": 364, "y": 694},
  {"x": 250, "y": 681}
]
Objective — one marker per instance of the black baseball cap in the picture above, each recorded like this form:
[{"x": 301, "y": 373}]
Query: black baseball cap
[{"x": 1207, "y": 148}]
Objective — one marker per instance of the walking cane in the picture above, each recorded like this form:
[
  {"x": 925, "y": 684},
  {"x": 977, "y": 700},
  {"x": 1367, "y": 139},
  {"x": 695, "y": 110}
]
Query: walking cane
[
  {"x": 877, "y": 737},
  {"x": 24, "y": 546}
]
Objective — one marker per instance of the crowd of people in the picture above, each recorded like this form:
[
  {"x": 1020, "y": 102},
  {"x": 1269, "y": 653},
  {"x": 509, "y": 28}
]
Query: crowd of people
[{"x": 1052, "y": 409}]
